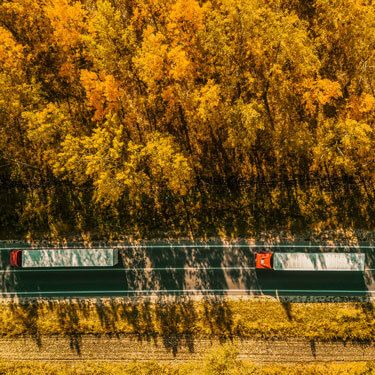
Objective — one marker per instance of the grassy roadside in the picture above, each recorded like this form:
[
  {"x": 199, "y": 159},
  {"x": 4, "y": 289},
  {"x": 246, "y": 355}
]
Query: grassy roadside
[
  {"x": 224, "y": 363},
  {"x": 262, "y": 319}
]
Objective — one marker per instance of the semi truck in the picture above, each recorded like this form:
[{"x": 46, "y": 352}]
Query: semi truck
[
  {"x": 65, "y": 258},
  {"x": 280, "y": 261}
]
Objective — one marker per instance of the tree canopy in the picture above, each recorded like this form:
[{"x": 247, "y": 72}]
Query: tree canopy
[{"x": 122, "y": 110}]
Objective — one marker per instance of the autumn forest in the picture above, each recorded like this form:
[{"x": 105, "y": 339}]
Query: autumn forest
[{"x": 155, "y": 118}]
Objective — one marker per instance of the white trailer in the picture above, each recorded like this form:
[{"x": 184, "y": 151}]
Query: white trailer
[
  {"x": 280, "y": 261},
  {"x": 64, "y": 258}
]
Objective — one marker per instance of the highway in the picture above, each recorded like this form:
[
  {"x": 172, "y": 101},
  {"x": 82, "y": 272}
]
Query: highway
[{"x": 188, "y": 269}]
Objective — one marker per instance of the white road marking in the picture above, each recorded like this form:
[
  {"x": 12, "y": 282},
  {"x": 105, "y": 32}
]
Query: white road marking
[
  {"x": 147, "y": 269},
  {"x": 150, "y": 269},
  {"x": 187, "y": 291},
  {"x": 208, "y": 246}
]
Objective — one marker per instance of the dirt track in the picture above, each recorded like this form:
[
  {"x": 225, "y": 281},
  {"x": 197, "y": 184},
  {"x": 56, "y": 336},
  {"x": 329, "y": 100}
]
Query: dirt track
[{"x": 127, "y": 348}]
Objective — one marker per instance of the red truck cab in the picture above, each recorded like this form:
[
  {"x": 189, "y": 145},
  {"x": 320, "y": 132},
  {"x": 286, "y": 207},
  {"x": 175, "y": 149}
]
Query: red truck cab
[
  {"x": 16, "y": 258},
  {"x": 263, "y": 260}
]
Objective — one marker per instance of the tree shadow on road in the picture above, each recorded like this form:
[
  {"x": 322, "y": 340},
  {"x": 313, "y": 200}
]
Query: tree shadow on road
[{"x": 168, "y": 317}]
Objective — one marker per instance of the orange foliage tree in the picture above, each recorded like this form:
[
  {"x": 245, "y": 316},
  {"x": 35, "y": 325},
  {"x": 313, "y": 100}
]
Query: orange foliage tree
[{"x": 167, "y": 107}]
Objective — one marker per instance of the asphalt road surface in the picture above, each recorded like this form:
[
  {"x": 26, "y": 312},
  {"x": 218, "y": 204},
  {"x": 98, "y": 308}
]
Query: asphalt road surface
[{"x": 192, "y": 270}]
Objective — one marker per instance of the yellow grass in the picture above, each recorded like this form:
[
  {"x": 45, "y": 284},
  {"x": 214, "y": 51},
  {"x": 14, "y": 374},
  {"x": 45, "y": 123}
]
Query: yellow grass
[
  {"x": 223, "y": 366},
  {"x": 225, "y": 318}
]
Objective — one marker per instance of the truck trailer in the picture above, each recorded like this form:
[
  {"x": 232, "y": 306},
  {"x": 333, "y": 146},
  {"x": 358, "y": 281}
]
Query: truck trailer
[
  {"x": 65, "y": 258},
  {"x": 280, "y": 261}
]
